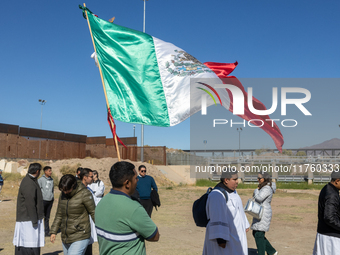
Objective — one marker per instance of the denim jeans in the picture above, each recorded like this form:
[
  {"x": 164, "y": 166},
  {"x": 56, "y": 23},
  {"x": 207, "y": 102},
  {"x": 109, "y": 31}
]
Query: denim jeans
[{"x": 76, "y": 248}]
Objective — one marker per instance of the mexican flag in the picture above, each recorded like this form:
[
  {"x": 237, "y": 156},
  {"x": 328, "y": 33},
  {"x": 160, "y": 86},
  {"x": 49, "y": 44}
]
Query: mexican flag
[{"x": 147, "y": 80}]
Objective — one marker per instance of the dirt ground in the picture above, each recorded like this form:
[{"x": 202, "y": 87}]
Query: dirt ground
[{"x": 292, "y": 230}]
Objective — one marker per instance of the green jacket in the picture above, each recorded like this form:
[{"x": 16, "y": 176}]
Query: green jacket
[{"x": 72, "y": 216}]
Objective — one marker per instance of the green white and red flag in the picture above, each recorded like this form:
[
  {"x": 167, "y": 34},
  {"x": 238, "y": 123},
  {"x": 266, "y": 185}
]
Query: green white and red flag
[{"x": 147, "y": 80}]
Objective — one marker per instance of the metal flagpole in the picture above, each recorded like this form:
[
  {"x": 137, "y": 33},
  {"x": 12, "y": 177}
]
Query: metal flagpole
[
  {"x": 142, "y": 138},
  {"x": 42, "y": 102}
]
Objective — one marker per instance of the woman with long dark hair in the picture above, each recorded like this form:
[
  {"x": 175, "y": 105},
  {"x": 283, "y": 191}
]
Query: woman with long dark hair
[
  {"x": 263, "y": 195},
  {"x": 72, "y": 217}
]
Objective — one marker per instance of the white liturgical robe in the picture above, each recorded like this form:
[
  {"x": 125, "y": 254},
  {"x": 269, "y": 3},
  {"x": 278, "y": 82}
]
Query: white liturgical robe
[
  {"x": 326, "y": 245},
  {"x": 93, "y": 237},
  {"x": 227, "y": 221}
]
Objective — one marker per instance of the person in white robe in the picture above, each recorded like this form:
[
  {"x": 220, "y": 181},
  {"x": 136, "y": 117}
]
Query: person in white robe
[
  {"x": 86, "y": 177},
  {"x": 327, "y": 240},
  {"x": 93, "y": 237},
  {"x": 29, "y": 234},
  {"x": 228, "y": 224}
]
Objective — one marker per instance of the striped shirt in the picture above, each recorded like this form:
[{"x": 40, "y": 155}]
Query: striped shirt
[{"x": 122, "y": 225}]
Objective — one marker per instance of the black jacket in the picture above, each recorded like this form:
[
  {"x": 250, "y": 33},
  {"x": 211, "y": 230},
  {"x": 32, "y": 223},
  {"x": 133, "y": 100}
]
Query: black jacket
[
  {"x": 329, "y": 211},
  {"x": 155, "y": 198},
  {"x": 30, "y": 205}
]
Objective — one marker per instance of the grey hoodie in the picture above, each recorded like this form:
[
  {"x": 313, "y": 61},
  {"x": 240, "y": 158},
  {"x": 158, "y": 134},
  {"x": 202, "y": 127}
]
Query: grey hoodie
[{"x": 47, "y": 188}]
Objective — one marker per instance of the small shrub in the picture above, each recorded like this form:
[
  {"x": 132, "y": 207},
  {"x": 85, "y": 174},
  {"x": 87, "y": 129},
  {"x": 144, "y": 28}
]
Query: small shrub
[
  {"x": 12, "y": 176},
  {"x": 287, "y": 152},
  {"x": 300, "y": 153},
  {"x": 67, "y": 169}
]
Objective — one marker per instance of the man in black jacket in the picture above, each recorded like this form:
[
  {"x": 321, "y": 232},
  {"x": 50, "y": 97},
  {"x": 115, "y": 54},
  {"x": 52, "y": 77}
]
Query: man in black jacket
[
  {"x": 29, "y": 228},
  {"x": 328, "y": 233}
]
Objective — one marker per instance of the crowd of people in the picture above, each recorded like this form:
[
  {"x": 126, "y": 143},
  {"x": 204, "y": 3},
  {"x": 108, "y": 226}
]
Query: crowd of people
[
  {"x": 121, "y": 220},
  {"x": 120, "y": 224}
]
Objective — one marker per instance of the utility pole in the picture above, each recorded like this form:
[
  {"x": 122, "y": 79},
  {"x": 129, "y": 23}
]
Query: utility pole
[
  {"x": 42, "y": 102},
  {"x": 239, "y": 141}
]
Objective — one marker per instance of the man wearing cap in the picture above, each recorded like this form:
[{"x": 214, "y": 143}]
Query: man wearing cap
[
  {"x": 328, "y": 232},
  {"x": 228, "y": 224}
]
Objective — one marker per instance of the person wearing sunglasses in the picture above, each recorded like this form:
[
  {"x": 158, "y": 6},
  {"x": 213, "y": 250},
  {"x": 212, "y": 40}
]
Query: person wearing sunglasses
[
  {"x": 263, "y": 195},
  {"x": 144, "y": 186},
  {"x": 97, "y": 186}
]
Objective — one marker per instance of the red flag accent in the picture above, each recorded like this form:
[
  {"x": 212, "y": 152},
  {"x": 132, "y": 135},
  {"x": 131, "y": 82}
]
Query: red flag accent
[
  {"x": 222, "y": 71},
  {"x": 113, "y": 127}
]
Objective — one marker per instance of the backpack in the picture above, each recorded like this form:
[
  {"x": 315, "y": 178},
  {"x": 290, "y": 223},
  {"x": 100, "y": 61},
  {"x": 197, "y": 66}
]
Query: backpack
[{"x": 198, "y": 209}]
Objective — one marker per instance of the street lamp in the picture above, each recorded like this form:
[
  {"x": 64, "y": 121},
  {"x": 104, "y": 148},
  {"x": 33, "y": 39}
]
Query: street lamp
[
  {"x": 239, "y": 130},
  {"x": 42, "y": 102},
  {"x": 134, "y": 128}
]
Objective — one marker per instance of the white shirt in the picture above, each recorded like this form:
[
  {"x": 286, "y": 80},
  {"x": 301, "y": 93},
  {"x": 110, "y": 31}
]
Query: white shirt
[{"x": 98, "y": 189}]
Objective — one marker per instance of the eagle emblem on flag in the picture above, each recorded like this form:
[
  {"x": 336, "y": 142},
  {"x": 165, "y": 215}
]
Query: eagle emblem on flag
[{"x": 183, "y": 64}]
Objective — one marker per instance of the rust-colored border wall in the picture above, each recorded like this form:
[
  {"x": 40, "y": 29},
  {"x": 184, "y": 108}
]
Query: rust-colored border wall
[
  {"x": 125, "y": 140},
  {"x": 14, "y": 146},
  {"x": 17, "y": 142},
  {"x": 9, "y": 129}
]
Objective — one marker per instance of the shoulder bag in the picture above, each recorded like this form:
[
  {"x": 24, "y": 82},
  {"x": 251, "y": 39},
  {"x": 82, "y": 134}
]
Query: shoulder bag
[{"x": 254, "y": 208}]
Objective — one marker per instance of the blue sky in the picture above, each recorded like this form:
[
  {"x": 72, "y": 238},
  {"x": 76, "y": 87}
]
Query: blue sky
[{"x": 46, "y": 48}]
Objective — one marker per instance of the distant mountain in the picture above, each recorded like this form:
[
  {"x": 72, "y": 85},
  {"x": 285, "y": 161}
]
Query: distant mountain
[{"x": 330, "y": 144}]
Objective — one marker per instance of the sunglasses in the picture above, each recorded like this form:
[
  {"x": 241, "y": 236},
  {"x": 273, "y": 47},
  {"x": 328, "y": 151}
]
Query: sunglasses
[
  {"x": 143, "y": 171},
  {"x": 259, "y": 178}
]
